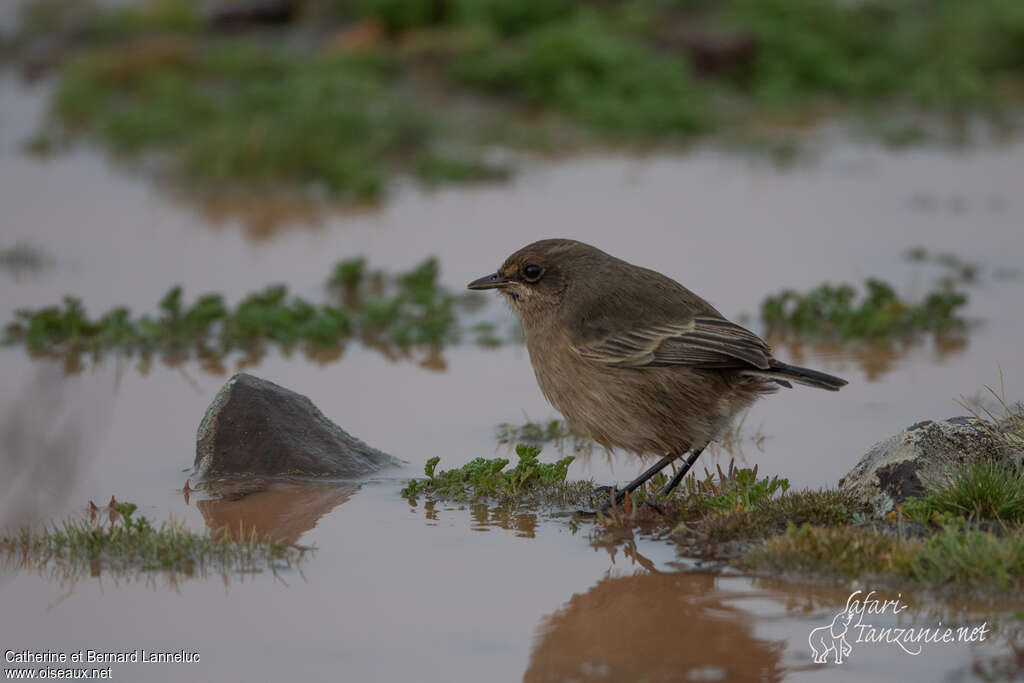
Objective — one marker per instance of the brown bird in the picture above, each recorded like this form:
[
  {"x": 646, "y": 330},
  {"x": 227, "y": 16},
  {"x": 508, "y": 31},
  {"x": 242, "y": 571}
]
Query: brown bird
[{"x": 634, "y": 358}]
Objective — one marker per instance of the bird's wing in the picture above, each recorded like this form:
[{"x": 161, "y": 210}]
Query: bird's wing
[{"x": 702, "y": 341}]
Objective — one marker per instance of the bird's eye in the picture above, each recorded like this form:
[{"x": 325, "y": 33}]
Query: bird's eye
[{"x": 532, "y": 273}]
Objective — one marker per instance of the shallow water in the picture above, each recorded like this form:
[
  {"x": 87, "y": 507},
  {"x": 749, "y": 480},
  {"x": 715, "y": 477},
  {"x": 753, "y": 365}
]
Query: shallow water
[{"x": 449, "y": 592}]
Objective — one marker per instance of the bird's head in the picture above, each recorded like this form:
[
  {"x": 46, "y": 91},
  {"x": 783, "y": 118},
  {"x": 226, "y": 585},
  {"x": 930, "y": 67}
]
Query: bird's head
[{"x": 538, "y": 279}]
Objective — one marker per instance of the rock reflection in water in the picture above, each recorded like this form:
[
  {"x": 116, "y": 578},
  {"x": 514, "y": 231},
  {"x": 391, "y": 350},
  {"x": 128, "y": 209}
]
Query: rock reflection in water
[
  {"x": 279, "y": 510},
  {"x": 652, "y": 627}
]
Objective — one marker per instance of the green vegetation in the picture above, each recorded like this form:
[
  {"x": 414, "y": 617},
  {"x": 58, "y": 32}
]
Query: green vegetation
[
  {"x": 844, "y": 551},
  {"x": 405, "y": 309},
  {"x": 964, "y": 558},
  {"x": 589, "y": 72},
  {"x": 481, "y": 478},
  {"x": 945, "y": 54},
  {"x": 240, "y": 114},
  {"x": 735, "y": 489},
  {"x": 737, "y": 496},
  {"x": 966, "y": 533},
  {"x": 977, "y": 491},
  {"x": 837, "y": 313},
  {"x": 767, "y": 518},
  {"x": 425, "y": 86},
  {"x": 133, "y": 542},
  {"x": 969, "y": 558}
]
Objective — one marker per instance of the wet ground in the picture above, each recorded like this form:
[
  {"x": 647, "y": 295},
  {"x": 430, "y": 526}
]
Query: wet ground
[{"x": 457, "y": 593}]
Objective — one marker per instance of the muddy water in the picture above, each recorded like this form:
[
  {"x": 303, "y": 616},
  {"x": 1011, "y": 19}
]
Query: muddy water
[{"x": 448, "y": 592}]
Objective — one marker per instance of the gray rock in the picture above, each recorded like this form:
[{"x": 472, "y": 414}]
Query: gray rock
[
  {"x": 900, "y": 467},
  {"x": 257, "y": 427}
]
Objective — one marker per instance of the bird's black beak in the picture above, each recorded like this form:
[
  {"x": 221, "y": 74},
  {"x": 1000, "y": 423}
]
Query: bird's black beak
[{"x": 492, "y": 281}]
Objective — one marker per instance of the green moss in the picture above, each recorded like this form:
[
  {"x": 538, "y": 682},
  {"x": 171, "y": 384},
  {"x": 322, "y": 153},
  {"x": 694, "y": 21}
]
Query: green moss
[
  {"x": 133, "y": 542},
  {"x": 956, "y": 556},
  {"x": 770, "y": 517},
  {"x": 838, "y": 312},
  {"x": 844, "y": 552}
]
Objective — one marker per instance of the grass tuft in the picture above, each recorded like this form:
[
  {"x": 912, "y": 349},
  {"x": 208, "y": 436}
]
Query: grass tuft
[
  {"x": 965, "y": 558},
  {"x": 845, "y": 552},
  {"x": 132, "y": 541},
  {"x": 978, "y": 491},
  {"x": 770, "y": 517},
  {"x": 969, "y": 558}
]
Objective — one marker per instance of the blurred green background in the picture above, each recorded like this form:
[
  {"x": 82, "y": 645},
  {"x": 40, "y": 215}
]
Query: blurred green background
[{"x": 332, "y": 99}]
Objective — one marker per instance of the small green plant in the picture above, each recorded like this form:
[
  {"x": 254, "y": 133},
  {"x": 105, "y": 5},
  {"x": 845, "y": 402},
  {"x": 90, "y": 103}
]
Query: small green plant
[
  {"x": 348, "y": 274},
  {"x": 836, "y": 312},
  {"x": 923, "y": 511},
  {"x": 734, "y": 489},
  {"x": 488, "y": 478}
]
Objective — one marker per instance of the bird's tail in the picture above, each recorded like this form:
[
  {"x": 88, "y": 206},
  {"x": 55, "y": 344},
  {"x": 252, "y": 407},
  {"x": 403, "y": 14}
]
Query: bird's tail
[{"x": 781, "y": 372}]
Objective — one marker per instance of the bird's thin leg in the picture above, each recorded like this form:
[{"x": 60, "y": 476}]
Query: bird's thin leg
[
  {"x": 639, "y": 481},
  {"x": 682, "y": 471}
]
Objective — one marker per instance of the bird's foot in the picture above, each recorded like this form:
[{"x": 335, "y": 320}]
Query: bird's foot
[{"x": 610, "y": 496}]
